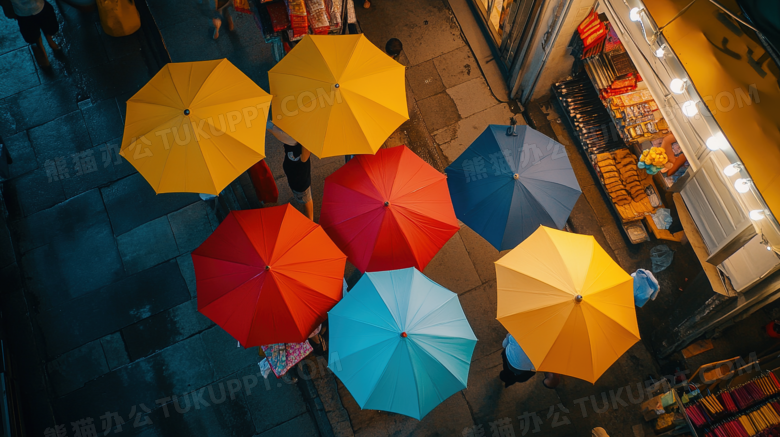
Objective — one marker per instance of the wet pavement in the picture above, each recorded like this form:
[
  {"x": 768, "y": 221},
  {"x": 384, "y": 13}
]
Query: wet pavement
[{"x": 98, "y": 289}]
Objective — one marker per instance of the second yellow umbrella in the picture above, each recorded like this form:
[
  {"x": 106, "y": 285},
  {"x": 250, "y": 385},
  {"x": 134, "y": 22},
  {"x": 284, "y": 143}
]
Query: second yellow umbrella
[
  {"x": 195, "y": 127},
  {"x": 338, "y": 95},
  {"x": 567, "y": 303}
]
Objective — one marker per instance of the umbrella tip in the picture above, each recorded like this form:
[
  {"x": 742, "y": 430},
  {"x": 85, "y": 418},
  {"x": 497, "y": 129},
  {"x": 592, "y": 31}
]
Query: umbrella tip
[
  {"x": 387, "y": 203},
  {"x": 186, "y": 112},
  {"x": 516, "y": 176},
  {"x": 511, "y": 131},
  {"x": 337, "y": 85},
  {"x": 268, "y": 267},
  {"x": 578, "y": 298},
  {"x": 403, "y": 334}
]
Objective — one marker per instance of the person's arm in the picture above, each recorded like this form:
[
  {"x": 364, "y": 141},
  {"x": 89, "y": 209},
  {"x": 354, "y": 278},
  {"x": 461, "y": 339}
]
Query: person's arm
[
  {"x": 679, "y": 162},
  {"x": 305, "y": 154}
]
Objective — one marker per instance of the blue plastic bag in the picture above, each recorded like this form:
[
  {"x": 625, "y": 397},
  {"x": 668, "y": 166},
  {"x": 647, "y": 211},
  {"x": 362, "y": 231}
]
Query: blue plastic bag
[
  {"x": 661, "y": 257},
  {"x": 662, "y": 218},
  {"x": 645, "y": 287}
]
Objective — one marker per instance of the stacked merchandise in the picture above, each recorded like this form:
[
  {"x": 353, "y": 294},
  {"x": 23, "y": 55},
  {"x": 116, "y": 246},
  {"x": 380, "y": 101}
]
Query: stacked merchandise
[
  {"x": 336, "y": 8},
  {"x": 624, "y": 185},
  {"x": 592, "y": 30},
  {"x": 588, "y": 115},
  {"x": 751, "y": 409},
  {"x": 298, "y": 18},
  {"x": 318, "y": 16}
]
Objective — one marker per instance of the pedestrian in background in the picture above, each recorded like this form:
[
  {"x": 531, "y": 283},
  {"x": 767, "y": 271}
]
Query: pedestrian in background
[
  {"x": 222, "y": 12},
  {"x": 297, "y": 168},
  {"x": 514, "y": 359},
  {"x": 34, "y": 17}
]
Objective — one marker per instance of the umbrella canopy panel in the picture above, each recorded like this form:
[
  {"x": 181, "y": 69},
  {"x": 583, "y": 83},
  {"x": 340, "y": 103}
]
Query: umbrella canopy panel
[
  {"x": 268, "y": 275},
  {"x": 195, "y": 127},
  {"x": 388, "y": 211},
  {"x": 400, "y": 342},
  {"x": 338, "y": 95},
  {"x": 567, "y": 303},
  {"x": 505, "y": 186}
]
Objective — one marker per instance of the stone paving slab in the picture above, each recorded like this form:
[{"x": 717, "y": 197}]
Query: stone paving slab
[
  {"x": 33, "y": 192},
  {"x": 191, "y": 226},
  {"x": 274, "y": 401},
  {"x": 177, "y": 370},
  {"x": 69, "y": 265},
  {"x": 12, "y": 39},
  {"x": 163, "y": 329},
  {"x": 457, "y": 67},
  {"x": 147, "y": 245},
  {"x": 452, "y": 268},
  {"x": 301, "y": 426},
  {"x": 22, "y": 153},
  {"x": 448, "y": 419},
  {"x": 60, "y": 98},
  {"x": 438, "y": 111},
  {"x": 479, "y": 305},
  {"x": 17, "y": 72},
  {"x": 111, "y": 308},
  {"x": 455, "y": 140},
  {"x": 114, "y": 350},
  {"x": 59, "y": 139},
  {"x": 70, "y": 371},
  {"x": 472, "y": 97},
  {"x": 482, "y": 253},
  {"x": 102, "y": 120},
  {"x": 111, "y": 79},
  {"x": 424, "y": 80},
  {"x": 187, "y": 270},
  {"x": 226, "y": 356},
  {"x": 131, "y": 202}
]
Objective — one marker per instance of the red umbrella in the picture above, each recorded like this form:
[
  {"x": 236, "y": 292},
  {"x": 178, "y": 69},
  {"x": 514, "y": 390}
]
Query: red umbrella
[
  {"x": 268, "y": 275},
  {"x": 388, "y": 211}
]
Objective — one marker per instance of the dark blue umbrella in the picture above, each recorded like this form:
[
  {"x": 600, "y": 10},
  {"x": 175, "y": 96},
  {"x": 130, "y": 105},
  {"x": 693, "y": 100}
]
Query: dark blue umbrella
[{"x": 509, "y": 181}]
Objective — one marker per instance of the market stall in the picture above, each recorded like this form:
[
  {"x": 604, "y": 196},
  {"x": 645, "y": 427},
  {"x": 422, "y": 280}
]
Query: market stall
[
  {"x": 622, "y": 133},
  {"x": 284, "y": 22}
]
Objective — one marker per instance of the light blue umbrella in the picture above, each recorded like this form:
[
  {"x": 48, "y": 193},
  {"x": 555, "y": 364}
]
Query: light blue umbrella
[
  {"x": 400, "y": 342},
  {"x": 508, "y": 182}
]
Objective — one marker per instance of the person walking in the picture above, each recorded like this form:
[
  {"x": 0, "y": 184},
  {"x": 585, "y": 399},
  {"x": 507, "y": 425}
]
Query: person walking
[
  {"x": 514, "y": 359},
  {"x": 297, "y": 168},
  {"x": 222, "y": 12},
  {"x": 34, "y": 17}
]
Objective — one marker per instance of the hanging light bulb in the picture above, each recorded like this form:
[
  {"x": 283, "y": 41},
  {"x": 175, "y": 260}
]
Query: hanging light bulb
[
  {"x": 756, "y": 214},
  {"x": 732, "y": 169},
  {"x": 677, "y": 86},
  {"x": 661, "y": 51},
  {"x": 689, "y": 108},
  {"x": 742, "y": 185},
  {"x": 717, "y": 142},
  {"x": 634, "y": 15}
]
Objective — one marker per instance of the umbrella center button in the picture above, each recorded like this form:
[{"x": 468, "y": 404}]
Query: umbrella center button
[
  {"x": 268, "y": 267},
  {"x": 186, "y": 112},
  {"x": 403, "y": 334}
]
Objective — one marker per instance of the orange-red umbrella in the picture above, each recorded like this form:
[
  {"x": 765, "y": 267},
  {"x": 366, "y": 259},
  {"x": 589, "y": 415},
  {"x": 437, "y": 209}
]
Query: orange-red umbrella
[
  {"x": 268, "y": 275},
  {"x": 388, "y": 211}
]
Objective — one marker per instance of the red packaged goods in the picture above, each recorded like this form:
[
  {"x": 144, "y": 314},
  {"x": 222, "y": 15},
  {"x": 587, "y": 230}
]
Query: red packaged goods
[
  {"x": 592, "y": 30},
  {"x": 591, "y": 20},
  {"x": 279, "y": 18},
  {"x": 318, "y": 16}
]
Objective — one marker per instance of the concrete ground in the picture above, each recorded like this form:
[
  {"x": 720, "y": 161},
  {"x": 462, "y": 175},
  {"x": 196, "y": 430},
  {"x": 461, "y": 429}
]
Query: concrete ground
[{"x": 100, "y": 311}]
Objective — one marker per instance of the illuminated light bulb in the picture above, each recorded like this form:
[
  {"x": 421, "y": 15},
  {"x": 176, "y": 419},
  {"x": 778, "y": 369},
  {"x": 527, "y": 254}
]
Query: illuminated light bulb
[
  {"x": 742, "y": 185},
  {"x": 661, "y": 51},
  {"x": 677, "y": 86},
  {"x": 717, "y": 142},
  {"x": 689, "y": 108},
  {"x": 732, "y": 169},
  {"x": 633, "y": 14},
  {"x": 756, "y": 214}
]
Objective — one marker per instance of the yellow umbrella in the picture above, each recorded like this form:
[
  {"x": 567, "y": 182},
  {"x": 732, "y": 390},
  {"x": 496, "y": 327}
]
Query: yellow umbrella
[
  {"x": 567, "y": 303},
  {"x": 195, "y": 127},
  {"x": 338, "y": 95}
]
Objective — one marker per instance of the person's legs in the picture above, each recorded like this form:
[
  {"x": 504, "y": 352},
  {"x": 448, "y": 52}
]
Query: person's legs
[
  {"x": 49, "y": 25},
  {"x": 228, "y": 18},
  {"x": 304, "y": 198}
]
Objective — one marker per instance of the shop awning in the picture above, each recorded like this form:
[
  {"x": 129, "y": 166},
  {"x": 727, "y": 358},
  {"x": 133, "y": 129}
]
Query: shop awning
[{"x": 737, "y": 80}]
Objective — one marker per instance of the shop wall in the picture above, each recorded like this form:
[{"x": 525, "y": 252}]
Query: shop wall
[{"x": 559, "y": 61}]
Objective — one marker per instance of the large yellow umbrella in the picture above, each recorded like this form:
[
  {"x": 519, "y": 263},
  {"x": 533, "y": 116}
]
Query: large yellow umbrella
[
  {"x": 338, "y": 95},
  {"x": 567, "y": 303},
  {"x": 195, "y": 127}
]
